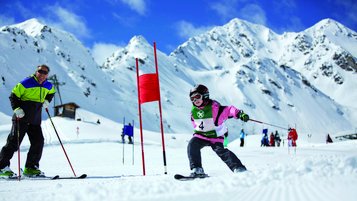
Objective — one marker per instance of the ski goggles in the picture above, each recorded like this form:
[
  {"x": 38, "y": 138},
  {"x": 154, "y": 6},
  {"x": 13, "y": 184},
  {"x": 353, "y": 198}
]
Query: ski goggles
[
  {"x": 195, "y": 97},
  {"x": 43, "y": 72}
]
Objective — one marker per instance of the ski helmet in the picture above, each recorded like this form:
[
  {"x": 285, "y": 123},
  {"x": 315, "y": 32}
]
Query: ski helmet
[{"x": 201, "y": 89}]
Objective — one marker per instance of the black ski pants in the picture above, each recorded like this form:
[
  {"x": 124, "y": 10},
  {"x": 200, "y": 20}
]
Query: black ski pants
[
  {"x": 34, "y": 133},
  {"x": 242, "y": 142},
  {"x": 194, "y": 153}
]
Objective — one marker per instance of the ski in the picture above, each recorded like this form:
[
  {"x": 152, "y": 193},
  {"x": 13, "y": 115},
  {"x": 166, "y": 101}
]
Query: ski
[
  {"x": 188, "y": 178},
  {"x": 31, "y": 178},
  {"x": 56, "y": 177},
  {"x": 40, "y": 177},
  {"x": 9, "y": 178},
  {"x": 79, "y": 177}
]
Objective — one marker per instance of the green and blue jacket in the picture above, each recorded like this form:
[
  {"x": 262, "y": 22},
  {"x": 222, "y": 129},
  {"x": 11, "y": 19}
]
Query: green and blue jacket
[{"x": 29, "y": 95}]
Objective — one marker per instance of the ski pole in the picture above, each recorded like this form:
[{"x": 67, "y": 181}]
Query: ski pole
[
  {"x": 59, "y": 139},
  {"x": 268, "y": 124},
  {"x": 18, "y": 148}
]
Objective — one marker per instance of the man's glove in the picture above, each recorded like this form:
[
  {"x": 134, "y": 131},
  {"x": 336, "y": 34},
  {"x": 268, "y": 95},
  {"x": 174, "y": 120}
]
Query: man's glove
[
  {"x": 242, "y": 116},
  {"x": 19, "y": 112},
  {"x": 46, "y": 104}
]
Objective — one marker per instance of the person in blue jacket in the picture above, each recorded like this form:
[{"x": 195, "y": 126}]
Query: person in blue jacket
[{"x": 242, "y": 136}]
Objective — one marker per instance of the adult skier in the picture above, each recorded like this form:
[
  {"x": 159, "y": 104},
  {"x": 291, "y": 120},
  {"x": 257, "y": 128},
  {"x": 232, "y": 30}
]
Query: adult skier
[
  {"x": 27, "y": 99},
  {"x": 208, "y": 118}
]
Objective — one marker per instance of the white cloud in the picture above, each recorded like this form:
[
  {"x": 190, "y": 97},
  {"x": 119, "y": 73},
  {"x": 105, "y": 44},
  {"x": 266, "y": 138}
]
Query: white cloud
[
  {"x": 294, "y": 25},
  {"x": 253, "y": 13},
  {"x": 138, "y": 5},
  {"x": 4, "y": 20},
  {"x": 22, "y": 10},
  {"x": 67, "y": 20},
  {"x": 225, "y": 9},
  {"x": 101, "y": 51},
  {"x": 187, "y": 30},
  {"x": 228, "y": 9}
]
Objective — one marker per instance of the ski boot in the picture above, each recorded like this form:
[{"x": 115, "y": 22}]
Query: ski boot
[
  {"x": 6, "y": 172},
  {"x": 240, "y": 169},
  {"x": 198, "y": 173},
  {"x": 33, "y": 172}
]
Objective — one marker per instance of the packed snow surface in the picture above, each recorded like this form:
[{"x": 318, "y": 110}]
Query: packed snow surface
[{"x": 314, "y": 171}]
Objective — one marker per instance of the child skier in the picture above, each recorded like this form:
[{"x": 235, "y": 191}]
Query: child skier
[{"x": 208, "y": 118}]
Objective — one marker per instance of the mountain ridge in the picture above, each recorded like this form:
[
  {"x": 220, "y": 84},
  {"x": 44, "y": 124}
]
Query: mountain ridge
[{"x": 237, "y": 66}]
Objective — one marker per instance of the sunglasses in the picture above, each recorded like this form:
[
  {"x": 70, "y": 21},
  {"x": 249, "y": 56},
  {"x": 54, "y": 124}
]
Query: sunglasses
[
  {"x": 43, "y": 72},
  {"x": 195, "y": 97}
]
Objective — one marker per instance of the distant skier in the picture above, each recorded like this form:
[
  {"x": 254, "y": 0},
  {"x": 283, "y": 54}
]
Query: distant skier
[
  {"x": 208, "y": 118},
  {"x": 272, "y": 139},
  {"x": 328, "y": 139},
  {"x": 265, "y": 139},
  {"x": 129, "y": 131},
  {"x": 292, "y": 137},
  {"x": 242, "y": 136},
  {"x": 277, "y": 138}
]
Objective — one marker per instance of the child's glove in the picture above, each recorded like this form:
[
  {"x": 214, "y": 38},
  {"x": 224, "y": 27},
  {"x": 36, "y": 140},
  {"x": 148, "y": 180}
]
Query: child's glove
[{"x": 242, "y": 116}]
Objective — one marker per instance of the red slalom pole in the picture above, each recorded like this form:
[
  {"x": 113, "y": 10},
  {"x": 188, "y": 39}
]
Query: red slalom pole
[
  {"x": 161, "y": 125},
  {"x": 65, "y": 153},
  {"x": 18, "y": 148},
  {"x": 267, "y": 124}
]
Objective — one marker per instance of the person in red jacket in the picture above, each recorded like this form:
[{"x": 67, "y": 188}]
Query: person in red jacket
[
  {"x": 272, "y": 140},
  {"x": 292, "y": 137}
]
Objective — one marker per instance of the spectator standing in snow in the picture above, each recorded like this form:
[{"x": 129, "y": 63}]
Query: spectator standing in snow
[
  {"x": 292, "y": 137},
  {"x": 328, "y": 139},
  {"x": 242, "y": 136},
  {"x": 277, "y": 138},
  {"x": 265, "y": 139},
  {"x": 272, "y": 139}
]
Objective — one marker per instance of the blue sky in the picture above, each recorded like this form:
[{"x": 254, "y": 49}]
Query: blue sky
[{"x": 105, "y": 25}]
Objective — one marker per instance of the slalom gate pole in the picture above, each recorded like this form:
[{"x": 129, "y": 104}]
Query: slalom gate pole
[
  {"x": 59, "y": 139},
  {"x": 141, "y": 121},
  {"x": 161, "y": 125},
  {"x": 123, "y": 139},
  {"x": 132, "y": 153},
  {"x": 288, "y": 147},
  {"x": 267, "y": 124},
  {"x": 18, "y": 149}
]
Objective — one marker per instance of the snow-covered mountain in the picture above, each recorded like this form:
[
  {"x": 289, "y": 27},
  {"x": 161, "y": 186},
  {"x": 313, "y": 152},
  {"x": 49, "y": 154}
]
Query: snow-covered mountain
[
  {"x": 325, "y": 54},
  {"x": 28, "y": 44},
  {"x": 281, "y": 79},
  {"x": 248, "y": 65}
]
